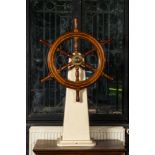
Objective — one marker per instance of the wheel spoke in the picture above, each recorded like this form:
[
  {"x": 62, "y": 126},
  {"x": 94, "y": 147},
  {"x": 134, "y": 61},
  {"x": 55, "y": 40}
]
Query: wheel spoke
[
  {"x": 64, "y": 53},
  {"x": 45, "y": 42},
  {"x": 47, "y": 77},
  {"x": 89, "y": 66},
  {"x": 75, "y": 24},
  {"x": 89, "y": 52},
  {"x": 107, "y": 76},
  {"x": 64, "y": 67},
  {"x": 77, "y": 96},
  {"x": 77, "y": 79},
  {"x": 103, "y": 42},
  {"x": 77, "y": 73},
  {"x": 75, "y": 45},
  {"x": 71, "y": 67}
]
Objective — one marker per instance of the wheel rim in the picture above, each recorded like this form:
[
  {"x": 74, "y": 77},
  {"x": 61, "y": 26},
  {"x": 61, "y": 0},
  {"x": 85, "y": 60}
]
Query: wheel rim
[{"x": 79, "y": 84}]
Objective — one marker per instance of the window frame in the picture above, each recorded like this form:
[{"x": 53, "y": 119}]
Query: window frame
[{"x": 95, "y": 119}]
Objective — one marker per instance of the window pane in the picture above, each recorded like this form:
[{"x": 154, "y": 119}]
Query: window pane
[
  {"x": 104, "y": 19},
  {"x": 49, "y": 19}
]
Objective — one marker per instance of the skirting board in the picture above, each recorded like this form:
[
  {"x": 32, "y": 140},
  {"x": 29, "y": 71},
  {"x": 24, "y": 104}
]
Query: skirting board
[{"x": 55, "y": 132}]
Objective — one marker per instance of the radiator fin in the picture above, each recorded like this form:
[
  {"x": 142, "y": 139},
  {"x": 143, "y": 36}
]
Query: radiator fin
[{"x": 54, "y": 132}]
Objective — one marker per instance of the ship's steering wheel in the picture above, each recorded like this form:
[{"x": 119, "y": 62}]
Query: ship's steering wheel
[{"x": 76, "y": 59}]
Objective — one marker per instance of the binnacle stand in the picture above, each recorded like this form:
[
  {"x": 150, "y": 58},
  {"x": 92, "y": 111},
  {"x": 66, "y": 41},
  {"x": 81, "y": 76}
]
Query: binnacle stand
[{"x": 76, "y": 119}]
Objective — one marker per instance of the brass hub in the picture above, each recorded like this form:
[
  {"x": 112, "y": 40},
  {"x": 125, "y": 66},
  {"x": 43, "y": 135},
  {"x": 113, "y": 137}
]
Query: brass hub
[{"x": 77, "y": 59}]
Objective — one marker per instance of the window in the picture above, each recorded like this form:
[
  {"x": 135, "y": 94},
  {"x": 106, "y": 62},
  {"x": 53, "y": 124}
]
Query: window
[{"x": 103, "y": 19}]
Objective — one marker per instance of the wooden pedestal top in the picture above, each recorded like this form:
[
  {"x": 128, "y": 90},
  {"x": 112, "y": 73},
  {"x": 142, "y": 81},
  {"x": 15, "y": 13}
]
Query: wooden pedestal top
[{"x": 49, "y": 146}]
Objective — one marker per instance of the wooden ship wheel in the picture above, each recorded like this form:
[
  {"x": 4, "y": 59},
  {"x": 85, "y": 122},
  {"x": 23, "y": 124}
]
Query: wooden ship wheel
[{"x": 76, "y": 59}]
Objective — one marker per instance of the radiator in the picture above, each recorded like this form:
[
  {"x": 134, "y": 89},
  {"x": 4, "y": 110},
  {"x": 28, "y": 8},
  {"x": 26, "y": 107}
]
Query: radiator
[{"x": 54, "y": 132}]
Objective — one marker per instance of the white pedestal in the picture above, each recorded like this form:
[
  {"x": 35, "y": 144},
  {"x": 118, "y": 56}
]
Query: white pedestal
[{"x": 76, "y": 118}]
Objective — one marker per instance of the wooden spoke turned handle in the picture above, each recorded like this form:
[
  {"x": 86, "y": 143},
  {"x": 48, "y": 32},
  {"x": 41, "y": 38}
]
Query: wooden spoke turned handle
[
  {"x": 77, "y": 79},
  {"x": 75, "y": 20}
]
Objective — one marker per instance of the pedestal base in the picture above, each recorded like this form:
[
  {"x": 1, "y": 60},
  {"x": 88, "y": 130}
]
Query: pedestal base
[
  {"x": 76, "y": 118},
  {"x": 61, "y": 142}
]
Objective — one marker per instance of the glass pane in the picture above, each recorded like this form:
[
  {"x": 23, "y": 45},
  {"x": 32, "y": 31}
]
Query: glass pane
[
  {"x": 104, "y": 19},
  {"x": 49, "y": 19}
]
